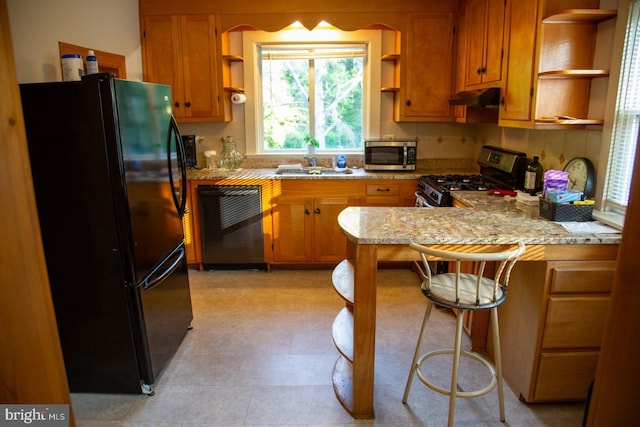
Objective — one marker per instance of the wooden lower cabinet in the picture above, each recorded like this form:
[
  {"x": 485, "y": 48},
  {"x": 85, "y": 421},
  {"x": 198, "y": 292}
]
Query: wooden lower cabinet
[
  {"x": 551, "y": 327},
  {"x": 306, "y": 228},
  {"x": 305, "y": 214},
  {"x": 305, "y": 220},
  {"x": 293, "y": 228},
  {"x": 565, "y": 375}
]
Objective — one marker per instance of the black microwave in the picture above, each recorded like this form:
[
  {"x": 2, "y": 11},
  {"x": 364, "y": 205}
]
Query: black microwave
[{"x": 390, "y": 155}]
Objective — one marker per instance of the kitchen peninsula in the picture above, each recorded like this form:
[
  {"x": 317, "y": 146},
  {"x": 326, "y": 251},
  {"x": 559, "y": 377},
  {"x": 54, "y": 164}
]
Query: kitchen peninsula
[{"x": 376, "y": 233}]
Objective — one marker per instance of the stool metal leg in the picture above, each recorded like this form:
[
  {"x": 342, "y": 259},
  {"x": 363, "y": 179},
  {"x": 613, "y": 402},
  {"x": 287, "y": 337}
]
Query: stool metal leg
[
  {"x": 416, "y": 354},
  {"x": 498, "y": 360},
  {"x": 456, "y": 362}
]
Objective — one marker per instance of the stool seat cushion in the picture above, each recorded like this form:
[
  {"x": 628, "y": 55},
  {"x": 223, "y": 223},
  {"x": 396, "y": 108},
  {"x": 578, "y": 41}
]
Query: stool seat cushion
[{"x": 443, "y": 287}]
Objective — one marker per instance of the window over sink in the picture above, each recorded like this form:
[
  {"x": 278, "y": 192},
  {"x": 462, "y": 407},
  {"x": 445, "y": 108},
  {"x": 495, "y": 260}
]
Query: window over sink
[
  {"x": 316, "y": 84},
  {"x": 312, "y": 90}
]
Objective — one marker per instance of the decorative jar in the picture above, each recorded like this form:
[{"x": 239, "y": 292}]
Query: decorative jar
[{"x": 229, "y": 158}]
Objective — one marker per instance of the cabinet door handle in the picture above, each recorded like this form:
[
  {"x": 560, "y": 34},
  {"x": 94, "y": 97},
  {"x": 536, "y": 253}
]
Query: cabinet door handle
[
  {"x": 307, "y": 211},
  {"x": 187, "y": 104},
  {"x": 177, "y": 104},
  {"x": 383, "y": 190},
  {"x": 408, "y": 103},
  {"x": 479, "y": 70},
  {"x": 502, "y": 101},
  {"x": 317, "y": 211}
]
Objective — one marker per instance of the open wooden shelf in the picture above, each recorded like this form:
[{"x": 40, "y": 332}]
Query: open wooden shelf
[
  {"x": 577, "y": 74},
  {"x": 394, "y": 58},
  {"x": 391, "y": 57},
  {"x": 342, "y": 332},
  {"x": 581, "y": 16},
  {"x": 343, "y": 279},
  {"x": 233, "y": 58},
  {"x": 564, "y": 79},
  {"x": 343, "y": 383},
  {"x": 560, "y": 123}
]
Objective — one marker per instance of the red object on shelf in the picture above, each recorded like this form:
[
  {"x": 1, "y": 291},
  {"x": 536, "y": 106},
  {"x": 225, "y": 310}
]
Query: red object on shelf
[{"x": 499, "y": 192}]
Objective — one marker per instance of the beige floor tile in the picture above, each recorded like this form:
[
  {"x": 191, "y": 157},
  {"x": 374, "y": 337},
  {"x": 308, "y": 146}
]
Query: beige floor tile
[
  {"x": 261, "y": 353},
  {"x": 281, "y": 405}
]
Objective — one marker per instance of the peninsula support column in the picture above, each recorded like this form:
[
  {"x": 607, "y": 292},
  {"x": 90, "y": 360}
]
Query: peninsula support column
[{"x": 365, "y": 261}]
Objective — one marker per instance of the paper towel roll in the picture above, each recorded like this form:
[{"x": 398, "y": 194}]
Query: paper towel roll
[{"x": 238, "y": 98}]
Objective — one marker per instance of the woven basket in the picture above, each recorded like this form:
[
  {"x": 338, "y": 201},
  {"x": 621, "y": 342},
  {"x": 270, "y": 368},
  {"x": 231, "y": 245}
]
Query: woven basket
[{"x": 564, "y": 212}]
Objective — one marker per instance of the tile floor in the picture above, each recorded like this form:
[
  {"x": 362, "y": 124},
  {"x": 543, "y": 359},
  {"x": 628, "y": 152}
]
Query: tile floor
[{"x": 261, "y": 354}]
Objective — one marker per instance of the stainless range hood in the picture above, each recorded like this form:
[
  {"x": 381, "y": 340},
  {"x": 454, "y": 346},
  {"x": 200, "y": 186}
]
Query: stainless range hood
[{"x": 480, "y": 97}]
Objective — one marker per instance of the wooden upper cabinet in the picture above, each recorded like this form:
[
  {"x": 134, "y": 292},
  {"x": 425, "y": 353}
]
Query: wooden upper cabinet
[
  {"x": 162, "y": 56},
  {"x": 517, "y": 92},
  {"x": 427, "y": 68},
  {"x": 184, "y": 52},
  {"x": 485, "y": 36},
  {"x": 459, "y": 111}
]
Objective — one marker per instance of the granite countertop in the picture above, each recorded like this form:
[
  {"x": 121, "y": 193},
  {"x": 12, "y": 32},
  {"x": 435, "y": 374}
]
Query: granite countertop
[
  {"x": 487, "y": 220},
  {"x": 356, "y": 173}
]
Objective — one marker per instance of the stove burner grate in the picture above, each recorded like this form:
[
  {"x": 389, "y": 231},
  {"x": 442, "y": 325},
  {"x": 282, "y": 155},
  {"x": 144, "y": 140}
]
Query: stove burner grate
[{"x": 437, "y": 188}]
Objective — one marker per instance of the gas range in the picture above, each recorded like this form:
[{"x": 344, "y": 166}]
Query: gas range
[
  {"x": 499, "y": 169},
  {"x": 437, "y": 188}
]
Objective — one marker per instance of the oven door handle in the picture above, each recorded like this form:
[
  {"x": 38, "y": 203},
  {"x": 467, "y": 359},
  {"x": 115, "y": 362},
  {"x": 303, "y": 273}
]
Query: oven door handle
[{"x": 421, "y": 202}]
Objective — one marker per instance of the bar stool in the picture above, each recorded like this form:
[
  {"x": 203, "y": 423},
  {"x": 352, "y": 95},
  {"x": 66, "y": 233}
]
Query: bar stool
[{"x": 464, "y": 291}]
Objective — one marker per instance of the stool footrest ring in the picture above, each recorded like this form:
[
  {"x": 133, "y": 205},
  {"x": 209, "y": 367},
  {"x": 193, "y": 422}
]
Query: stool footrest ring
[{"x": 458, "y": 393}]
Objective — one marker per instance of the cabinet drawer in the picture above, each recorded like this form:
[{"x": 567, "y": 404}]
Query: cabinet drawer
[
  {"x": 565, "y": 376},
  {"x": 581, "y": 276},
  {"x": 383, "y": 189},
  {"x": 383, "y": 201},
  {"x": 574, "y": 322}
]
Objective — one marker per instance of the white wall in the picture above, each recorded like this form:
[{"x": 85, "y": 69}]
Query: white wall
[{"x": 38, "y": 25}]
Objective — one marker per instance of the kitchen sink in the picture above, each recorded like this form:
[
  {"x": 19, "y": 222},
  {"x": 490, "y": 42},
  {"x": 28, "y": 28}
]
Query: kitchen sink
[{"x": 313, "y": 170}]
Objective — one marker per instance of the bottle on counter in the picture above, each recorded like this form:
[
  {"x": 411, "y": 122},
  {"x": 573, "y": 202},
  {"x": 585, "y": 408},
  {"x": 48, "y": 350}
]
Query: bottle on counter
[
  {"x": 533, "y": 177},
  {"x": 342, "y": 161},
  {"x": 92, "y": 63}
]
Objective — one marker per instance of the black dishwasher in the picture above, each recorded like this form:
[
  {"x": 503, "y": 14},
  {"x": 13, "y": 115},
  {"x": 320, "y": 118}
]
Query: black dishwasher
[{"x": 231, "y": 227}]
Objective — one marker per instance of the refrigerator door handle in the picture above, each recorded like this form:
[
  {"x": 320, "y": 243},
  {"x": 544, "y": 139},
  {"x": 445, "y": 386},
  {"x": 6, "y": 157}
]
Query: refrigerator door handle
[
  {"x": 182, "y": 166},
  {"x": 157, "y": 275}
]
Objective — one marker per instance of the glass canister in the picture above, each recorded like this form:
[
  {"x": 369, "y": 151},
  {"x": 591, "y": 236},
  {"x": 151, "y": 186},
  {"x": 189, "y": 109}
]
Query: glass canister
[{"x": 229, "y": 158}]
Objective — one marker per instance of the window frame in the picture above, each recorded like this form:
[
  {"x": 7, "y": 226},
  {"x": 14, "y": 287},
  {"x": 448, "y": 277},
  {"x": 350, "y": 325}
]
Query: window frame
[
  {"x": 311, "y": 54},
  {"x": 371, "y": 82},
  {"x": 614, "y": 217}
]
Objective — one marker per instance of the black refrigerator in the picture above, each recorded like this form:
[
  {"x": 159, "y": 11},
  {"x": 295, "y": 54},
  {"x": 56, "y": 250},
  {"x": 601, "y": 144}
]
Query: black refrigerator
[{"x": 109, "y": 175}]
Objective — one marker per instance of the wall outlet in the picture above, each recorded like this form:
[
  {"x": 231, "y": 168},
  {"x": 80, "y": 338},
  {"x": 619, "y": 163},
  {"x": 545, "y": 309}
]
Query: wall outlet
[{"x": 388, "y": 137}]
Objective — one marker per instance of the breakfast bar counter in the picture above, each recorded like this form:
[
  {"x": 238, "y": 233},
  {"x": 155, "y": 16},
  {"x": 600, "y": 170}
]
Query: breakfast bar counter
[{"x": 383, "y": 234}]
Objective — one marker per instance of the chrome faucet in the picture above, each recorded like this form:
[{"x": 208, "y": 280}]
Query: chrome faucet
[{"x": 312, "y": 160}]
